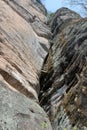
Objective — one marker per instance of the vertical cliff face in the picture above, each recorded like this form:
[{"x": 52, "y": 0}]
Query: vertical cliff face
[
  {"x": 64, "y": 79},
  {"x": 32, "y": 67},
  {"x": 23, "y": 43},
  {"x": 23, "y": 47}
]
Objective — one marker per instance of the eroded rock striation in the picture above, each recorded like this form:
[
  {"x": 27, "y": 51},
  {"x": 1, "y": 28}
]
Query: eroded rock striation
[
  {"x": 64, "y": 79},
  {"x": 37, "y": 60},
  {"x": 23, "y": 47}
]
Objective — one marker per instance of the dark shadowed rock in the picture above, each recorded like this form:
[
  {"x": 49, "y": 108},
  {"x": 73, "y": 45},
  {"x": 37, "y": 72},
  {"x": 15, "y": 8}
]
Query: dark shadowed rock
[
  {"x": 29, "y": 65},
  {"x": 61, "y": 16},
  {"x": 64, "y": 76}
]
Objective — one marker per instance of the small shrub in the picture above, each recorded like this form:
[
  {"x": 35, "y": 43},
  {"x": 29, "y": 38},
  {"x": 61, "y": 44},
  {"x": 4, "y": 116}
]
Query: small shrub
[{"x": 43, "y": 125}]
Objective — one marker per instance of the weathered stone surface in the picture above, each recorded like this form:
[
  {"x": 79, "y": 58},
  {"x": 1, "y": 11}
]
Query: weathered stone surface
[
  {"x": 33, "y": 12},
  {"x": 24, "y": 45},
  {"x": 61, "y": 16},
  {"x": 17, "y": 112},
  {"x": 64, "y": 76},
  {"x": 22, "y": 53}
]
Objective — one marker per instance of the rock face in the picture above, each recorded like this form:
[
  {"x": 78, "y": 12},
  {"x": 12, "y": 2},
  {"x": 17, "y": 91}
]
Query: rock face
[
  {"x": 30, "y": 68},
  {"x": 64, "y": 77},
  {"x": 20, "y": 113},
  {"x": 61, "y": 16},
  {"x": 23, "y": 47}
]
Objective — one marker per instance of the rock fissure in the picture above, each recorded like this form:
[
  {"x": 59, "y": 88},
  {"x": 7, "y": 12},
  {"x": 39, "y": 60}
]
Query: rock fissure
[
  {"x": 61, "y": 82},
  {"x": 43, "y": 68}
]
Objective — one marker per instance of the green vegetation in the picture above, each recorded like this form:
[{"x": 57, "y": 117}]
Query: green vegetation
[
  {"x": 43, "y": 125},
  {"x": 75, "y": 128},
  {"x": 50, "y": 14},
  {"x": 64, "y": 129}
]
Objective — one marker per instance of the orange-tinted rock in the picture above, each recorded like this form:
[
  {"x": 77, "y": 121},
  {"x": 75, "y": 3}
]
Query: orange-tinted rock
[
  {"x": 21, "y": 49},
  {"x": 22, "y": 53}
]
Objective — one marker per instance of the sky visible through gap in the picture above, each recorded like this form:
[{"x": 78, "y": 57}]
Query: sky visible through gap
[{"x": 53, "y": 5}]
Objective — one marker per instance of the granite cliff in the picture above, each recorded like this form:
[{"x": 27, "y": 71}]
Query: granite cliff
[{"x": 43, "y": 68}]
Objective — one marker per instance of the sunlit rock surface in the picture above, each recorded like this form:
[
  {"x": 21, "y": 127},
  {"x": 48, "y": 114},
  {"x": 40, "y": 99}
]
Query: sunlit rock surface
[
  {"x": 22, "y": 53},
  {"x": 37, "y": 60},
  {"x": 17, "y": 112}
]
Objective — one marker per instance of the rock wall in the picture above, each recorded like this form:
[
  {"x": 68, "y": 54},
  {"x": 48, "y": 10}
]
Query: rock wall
[
  {"x": 23, "y": 47},
  {"x": 64, "y": 79},
  {"x": 37, "y": 60}
]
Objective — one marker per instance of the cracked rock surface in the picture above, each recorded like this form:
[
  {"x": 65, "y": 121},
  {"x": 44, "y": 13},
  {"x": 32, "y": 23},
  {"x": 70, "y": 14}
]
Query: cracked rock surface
[
  {"x": 45, "y": 60},
  {"x": 22, "y": 53},
  {"x": 64, "y": 79}
]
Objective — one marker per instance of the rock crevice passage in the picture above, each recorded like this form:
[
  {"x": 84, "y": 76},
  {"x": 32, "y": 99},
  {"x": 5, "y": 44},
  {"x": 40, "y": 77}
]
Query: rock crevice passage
[
  {"x": 64, "y": 76},
  {"x": 37, "y": 60}
]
